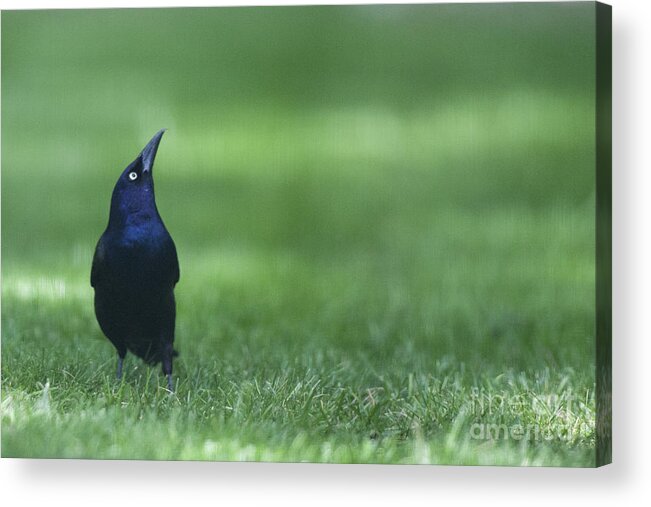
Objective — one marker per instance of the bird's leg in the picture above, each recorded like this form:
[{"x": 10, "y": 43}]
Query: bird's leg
[
  {"x": 121, "y": 355},
  {"x": 168, "y": 353},
  {"x": 120, "y": 363}
]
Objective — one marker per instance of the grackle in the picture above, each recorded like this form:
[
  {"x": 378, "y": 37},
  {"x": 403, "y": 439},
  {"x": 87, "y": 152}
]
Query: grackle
[{"x": 135, "y": 269}]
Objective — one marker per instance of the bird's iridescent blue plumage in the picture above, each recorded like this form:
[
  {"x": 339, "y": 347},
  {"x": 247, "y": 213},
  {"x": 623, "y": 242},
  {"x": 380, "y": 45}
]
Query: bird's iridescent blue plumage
[{"x": 135, "y": 268}]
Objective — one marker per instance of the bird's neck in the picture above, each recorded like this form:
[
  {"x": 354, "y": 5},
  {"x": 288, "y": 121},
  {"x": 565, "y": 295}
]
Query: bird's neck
[{"x": 124, "y": 215}]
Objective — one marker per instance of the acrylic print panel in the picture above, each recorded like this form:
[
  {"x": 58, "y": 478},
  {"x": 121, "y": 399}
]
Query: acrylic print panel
[{"x": 392, "y": 225}]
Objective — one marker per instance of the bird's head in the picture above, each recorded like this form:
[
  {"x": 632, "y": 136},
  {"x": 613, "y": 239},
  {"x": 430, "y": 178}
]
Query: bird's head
[{"x": 133, "y": 196}]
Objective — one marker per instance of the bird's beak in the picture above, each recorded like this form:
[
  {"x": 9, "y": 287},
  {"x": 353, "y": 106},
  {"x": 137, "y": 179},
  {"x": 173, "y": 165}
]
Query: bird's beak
[{"x": 148, "y": 154}]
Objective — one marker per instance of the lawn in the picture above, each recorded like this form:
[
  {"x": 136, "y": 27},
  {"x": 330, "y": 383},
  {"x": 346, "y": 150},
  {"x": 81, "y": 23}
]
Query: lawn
[{"x": 386, "y": 241}]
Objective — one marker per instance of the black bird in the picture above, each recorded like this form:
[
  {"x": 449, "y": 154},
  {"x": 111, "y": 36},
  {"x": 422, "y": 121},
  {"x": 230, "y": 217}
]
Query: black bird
[{"x": 135, "y": 269}]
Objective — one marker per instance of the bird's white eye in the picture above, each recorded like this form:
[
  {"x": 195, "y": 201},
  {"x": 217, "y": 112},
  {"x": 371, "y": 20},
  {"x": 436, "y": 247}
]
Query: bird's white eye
[{"x": 133, "y": 176}]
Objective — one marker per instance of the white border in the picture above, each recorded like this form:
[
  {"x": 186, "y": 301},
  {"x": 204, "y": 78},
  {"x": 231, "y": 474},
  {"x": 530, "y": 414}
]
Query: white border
[{"x": 627, "y": 481}]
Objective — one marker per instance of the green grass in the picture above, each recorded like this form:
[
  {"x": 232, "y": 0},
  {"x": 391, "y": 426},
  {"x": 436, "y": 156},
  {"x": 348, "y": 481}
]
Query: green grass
[
  {"x": 380, "y": 263},
  {"x": 374, "y": 358}
]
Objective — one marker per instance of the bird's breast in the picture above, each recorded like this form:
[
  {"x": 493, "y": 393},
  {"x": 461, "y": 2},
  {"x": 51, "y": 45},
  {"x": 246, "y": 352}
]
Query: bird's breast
[{"x": 138, "y": 258}]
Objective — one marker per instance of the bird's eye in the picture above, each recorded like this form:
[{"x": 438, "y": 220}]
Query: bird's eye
[{"x": 133, "y": 176}]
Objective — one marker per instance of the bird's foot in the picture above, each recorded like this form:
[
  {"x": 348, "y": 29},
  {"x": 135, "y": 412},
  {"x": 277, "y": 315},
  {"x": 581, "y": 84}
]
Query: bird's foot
[
  {"x": 170, "y": 383},
  {"x": 119, "y": 372}
]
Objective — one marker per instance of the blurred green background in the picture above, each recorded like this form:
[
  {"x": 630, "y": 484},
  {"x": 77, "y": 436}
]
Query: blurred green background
[{"x": 384, "y": 201}]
